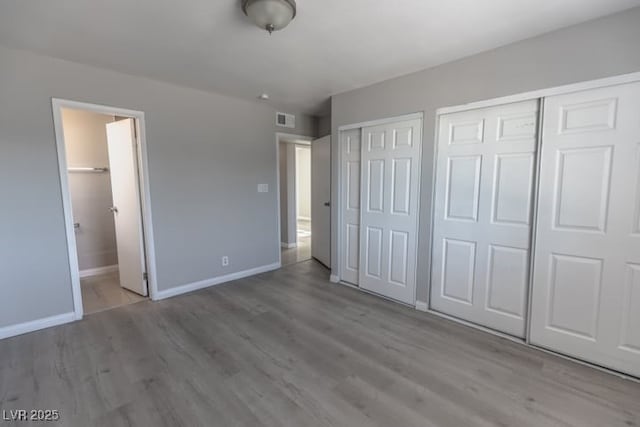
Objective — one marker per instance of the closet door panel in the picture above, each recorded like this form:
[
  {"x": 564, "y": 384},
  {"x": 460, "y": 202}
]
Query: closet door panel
[
  {"x": 483, "y": 209},
  {"x": 350, "y": 205},
  {"x": 585, "y": 299},
  {"x": 389, "y": 217}
]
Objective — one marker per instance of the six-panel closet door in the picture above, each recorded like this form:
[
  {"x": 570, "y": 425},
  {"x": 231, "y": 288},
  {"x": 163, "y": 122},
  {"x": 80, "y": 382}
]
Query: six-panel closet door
[
  {"x": 483, "y": 213},
  {"x": 586, "y": 283},
  {"x": 390, "y": 174},
  {"x": 350, "y": 205}
]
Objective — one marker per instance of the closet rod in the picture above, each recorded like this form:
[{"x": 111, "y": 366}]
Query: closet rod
[{"x": 96, "y": 170}]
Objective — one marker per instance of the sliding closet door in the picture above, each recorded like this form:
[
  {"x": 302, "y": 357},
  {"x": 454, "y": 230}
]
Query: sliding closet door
[
  {"x": 389, "y": 213},
  {"x": 586, "y": 285},
  {"x": 483, "y": 211},
  {"x": 350, "y": 205}
]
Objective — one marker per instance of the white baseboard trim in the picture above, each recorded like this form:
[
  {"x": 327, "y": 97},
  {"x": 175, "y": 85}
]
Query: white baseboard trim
[
  {"x": 34, "y": 325},
  {"x": 334, "y": 278},
  {"x": 190, "y": 287},
  {"x": 422, "y": 306},
  {"x": 99, "y": 270},
  {"x": 288, "y": 245},
  {"x": 304, "y": 218}
]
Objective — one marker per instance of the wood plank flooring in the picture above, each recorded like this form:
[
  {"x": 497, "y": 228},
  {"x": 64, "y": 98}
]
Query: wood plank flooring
[
  {"x": 288, "y": 348},
  {"x": 302, "y": 251},
  {"x": 103, "y": 292}
]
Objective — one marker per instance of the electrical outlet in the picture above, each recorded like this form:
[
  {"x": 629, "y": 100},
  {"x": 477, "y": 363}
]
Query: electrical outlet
[
  {"x": 225, "y": 261},
  {"x": 263, "y": 188}
]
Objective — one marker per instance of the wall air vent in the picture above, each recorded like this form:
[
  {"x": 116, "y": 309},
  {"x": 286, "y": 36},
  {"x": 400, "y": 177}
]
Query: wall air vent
[{"x": 285, "y": 120}]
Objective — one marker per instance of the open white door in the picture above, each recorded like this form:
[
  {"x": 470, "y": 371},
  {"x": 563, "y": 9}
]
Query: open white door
[
  {"x": 123, "y": 164},
  {"x": 389, "y": 211},
  {"x": 321, "y": 200}
]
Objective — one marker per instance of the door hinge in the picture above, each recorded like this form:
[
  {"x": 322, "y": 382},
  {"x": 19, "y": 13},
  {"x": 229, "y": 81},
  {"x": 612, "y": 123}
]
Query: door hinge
[{"x": 145, "y": 276}]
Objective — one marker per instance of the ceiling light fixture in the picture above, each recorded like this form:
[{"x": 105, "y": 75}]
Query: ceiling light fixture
[{"x": 271, "y": 15}]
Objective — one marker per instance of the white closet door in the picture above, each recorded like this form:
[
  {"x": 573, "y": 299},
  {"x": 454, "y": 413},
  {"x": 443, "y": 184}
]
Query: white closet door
[
  {"x": 483, "y": 211},
  {"x": 350, "y": 205},
  {"x": 389, "y": 213},
  {"x": 586, "y": 285}
]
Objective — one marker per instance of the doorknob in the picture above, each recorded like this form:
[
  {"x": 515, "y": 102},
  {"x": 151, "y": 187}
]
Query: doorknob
[
  {"x": 327, "y": 203},
  {"x": 113, "y": 209}
]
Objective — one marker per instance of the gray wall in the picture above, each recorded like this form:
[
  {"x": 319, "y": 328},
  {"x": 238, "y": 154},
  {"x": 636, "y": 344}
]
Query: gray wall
[
  {"x": 324, "y": 125},
  {"x": 207, "y": 154},
  {"x": 85, "y": 140},
  {"x": 596, "y": 49}
]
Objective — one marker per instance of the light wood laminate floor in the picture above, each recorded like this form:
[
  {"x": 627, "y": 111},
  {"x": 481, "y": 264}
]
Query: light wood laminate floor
[
  {"x": 302, "y": 251},
  {"x": 288, "y": 348},
  {"x": 103, "y": 292}
]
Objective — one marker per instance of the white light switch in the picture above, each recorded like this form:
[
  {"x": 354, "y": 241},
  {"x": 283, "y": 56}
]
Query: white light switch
[{"x": 263, "y": 188}]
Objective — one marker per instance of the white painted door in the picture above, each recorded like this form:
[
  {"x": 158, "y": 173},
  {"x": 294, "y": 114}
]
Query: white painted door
[
  {"x": 123, "y": 167},
  {"x": 483, "y": 213},
  {"x": 350, "y": 205},
  {"x": 389, "y": 214},
  {"x": 321, "y": 200},
  {"x": 586, "y": 283}
]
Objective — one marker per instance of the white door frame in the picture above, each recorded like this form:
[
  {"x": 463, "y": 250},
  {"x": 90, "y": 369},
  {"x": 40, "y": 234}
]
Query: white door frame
[
  {"x": 143, "y": 178},
  {"x": 286, "y": 138},
  {"x": 336, "y": 270}
]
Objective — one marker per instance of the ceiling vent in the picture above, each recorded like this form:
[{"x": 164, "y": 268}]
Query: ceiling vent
[{"x": 285, "y": 120}]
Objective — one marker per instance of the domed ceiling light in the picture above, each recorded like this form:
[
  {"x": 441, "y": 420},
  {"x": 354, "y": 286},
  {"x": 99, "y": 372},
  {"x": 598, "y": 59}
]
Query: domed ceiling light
[{"x": 271, "y": 15}]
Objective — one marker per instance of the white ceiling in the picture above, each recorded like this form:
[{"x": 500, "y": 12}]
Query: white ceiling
[{"x": 332, "y": 46}]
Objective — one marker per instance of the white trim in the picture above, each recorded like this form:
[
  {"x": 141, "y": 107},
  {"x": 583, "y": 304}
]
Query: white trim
[
  {"x": 35, "y": 325},
  {"x": 338, "y": 202},
  {"x": 422, "y": 306},
  {"x": 98, "y": 270},
  {"x": 57, "y": 106},
  {"x": 543, "y": 93},
  {"x": 411, "y": 116},
  {"x": 303, "y": 140},
  {"x": 288, "y": 245},
  {"x": 334, "y": 278},
  {"x": 304, "y": 218},
  {"x": 190, "y": 287}
]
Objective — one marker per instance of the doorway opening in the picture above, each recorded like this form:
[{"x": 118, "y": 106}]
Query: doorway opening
[
  {"x": 304, "y": 186},
  {"x": 102, "y": 162},
  {"x": 295, "y": 198},
  {"x": 303, "y": 200}
]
